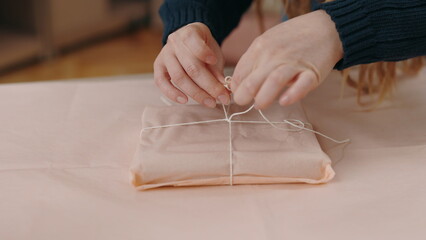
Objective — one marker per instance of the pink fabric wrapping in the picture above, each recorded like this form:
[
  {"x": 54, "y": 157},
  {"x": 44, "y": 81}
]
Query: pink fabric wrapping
[{"x": 200, "y": 154}]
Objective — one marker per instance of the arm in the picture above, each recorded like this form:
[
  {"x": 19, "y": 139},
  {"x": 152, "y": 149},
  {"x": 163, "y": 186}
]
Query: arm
[
  {"x": 378, "y": 30},
  {"x": 221, "y": 16}
]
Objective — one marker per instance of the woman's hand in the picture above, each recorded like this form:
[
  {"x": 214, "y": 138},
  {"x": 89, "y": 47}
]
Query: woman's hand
[
  {"x": 297, "y": 54},
  {"x": 191, "y": 63}
]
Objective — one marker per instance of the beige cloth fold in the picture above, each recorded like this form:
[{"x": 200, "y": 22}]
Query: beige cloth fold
[{"x": 195, "y": 155}]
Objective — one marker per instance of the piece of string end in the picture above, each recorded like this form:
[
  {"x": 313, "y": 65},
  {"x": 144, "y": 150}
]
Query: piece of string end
[{"x": 227, "y": 84}]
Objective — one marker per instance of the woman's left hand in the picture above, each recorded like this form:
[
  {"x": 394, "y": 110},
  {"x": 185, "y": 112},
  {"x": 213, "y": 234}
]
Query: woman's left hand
[{"x": 297, "y": 54}]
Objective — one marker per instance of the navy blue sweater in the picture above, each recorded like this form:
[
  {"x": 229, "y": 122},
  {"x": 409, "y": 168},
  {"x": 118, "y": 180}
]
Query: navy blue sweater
[{"x": 370, "y": 30}]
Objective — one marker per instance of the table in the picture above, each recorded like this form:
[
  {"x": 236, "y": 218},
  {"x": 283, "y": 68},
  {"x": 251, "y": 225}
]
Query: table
[{"x": 65, "y": 148}]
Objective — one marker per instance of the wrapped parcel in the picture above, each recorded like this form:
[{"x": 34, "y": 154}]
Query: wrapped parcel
[{"x": 243, "y": 150}]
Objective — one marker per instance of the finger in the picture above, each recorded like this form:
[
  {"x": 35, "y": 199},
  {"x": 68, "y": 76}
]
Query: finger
[
  {"x": 304, "y": 83},
  {"x": 252, "y": 57},
  {"x": 182, "y": 80},
  {"x": 242, "y": 70},
  {"x": 199, "y": 73},
  {"x": 162, "y": 80},
  {"x": 217, "y": 73},
  {"x": 199, "y": 48},
  {"x": 273, "y": 85},
  {"x": 217, "y": 69},
  {"x": 249, "y": 87}
]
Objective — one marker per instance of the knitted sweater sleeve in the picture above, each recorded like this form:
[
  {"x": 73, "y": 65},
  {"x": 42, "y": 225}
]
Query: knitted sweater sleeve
[
  {"x": 379, "y": 30},
  {"x": 221, "y": 16}
]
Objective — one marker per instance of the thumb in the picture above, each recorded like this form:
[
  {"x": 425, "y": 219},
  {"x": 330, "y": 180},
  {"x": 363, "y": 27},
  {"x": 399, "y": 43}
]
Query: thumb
[
  {"x": 217, "y": 71},
  {"x": 199, "y": 48}
]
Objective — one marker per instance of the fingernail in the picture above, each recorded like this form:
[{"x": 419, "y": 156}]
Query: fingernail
[
  {"x": 224, "y": 99},
  {"x": 181, "y": 100},
  {"x": 209, "y": 102},
  {"x": 284, "y": 101},
  {"x": 210, "y": 60}
]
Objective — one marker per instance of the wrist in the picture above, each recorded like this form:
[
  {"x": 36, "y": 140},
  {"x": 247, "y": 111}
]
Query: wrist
[{"x": 333, "y": 35}]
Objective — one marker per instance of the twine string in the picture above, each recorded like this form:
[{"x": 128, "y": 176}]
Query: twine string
[{"x": 296, "y": 124}]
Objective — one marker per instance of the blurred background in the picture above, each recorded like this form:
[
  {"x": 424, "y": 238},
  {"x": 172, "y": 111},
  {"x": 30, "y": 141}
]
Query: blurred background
[{"x": 66, "y": 39}]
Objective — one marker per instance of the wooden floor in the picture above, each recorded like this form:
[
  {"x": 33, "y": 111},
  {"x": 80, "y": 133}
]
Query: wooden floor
[{"x": 128, "y": 54}]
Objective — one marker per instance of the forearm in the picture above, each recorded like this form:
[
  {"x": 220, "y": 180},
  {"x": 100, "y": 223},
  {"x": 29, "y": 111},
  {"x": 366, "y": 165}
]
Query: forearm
[
  {"x": 221, "y": 16},
  {"x": 379, "y": 30}
]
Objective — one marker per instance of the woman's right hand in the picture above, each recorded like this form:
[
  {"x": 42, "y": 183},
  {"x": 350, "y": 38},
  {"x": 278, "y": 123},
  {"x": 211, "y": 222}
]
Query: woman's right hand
[{"x": 191, "y": 64}]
